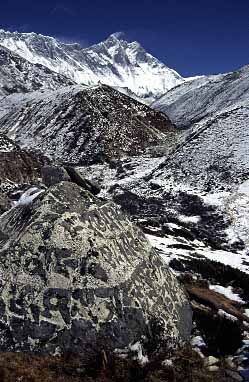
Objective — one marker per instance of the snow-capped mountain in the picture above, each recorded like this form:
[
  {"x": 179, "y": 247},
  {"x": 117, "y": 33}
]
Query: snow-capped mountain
[
  {"x": 18, "y": 75},
  {"x": 114, "y": 62}
]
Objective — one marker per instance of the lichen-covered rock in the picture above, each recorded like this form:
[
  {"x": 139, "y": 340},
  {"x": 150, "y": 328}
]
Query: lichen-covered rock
[{"x": 77, "y": 275}]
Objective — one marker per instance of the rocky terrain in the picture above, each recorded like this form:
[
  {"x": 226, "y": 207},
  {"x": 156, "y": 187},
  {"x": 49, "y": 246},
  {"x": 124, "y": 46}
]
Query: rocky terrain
[
  {"x": 192, "y": 203},
  {"x": 118, "y": 221},
  {"x": 82, "y": 125},
  {"x": 19, "y": 170}
]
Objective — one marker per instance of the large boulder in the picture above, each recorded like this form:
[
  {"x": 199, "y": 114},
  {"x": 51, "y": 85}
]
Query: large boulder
[
  {"x": 77, "y": 276},
  {"x": 77, "y": 178}
]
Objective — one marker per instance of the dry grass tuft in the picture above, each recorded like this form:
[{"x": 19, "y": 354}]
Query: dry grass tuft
[{"x": 187, "y": 367}]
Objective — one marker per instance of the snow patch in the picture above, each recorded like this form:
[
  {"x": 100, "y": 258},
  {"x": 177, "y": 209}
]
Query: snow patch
[
  {"x": 189, "y": 219},
  {"x": 224, "y": 314},
  {"x": 29, "y": 196},
  {"x": 198, "y": 341},
  {"x": 227, "y": 292}
]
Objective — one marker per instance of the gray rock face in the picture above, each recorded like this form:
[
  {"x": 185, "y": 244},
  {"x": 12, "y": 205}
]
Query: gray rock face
[
  {"x": 77, "y": 275},
  {"x": 18, "y": 166}
]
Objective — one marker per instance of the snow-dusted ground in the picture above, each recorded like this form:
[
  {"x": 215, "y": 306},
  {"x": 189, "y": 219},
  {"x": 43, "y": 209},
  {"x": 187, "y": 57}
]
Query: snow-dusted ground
[
  {"x": 81, "y": 124},
  {"x": 167, "y": 247},
  {"x": 231, "y": 203},
  {"x": 6, "y": 145},
  {"x": 29, "y": 196}
]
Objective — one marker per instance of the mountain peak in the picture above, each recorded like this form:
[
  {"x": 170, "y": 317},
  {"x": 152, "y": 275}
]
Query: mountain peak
[
  {"x": 118, "y": 36},
  {"x": 122, "y": 37}
]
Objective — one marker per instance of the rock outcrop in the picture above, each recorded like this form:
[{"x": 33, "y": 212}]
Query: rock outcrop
[
  {"x": 77, "y": 276},
  {"x": 52, "y": 175}
]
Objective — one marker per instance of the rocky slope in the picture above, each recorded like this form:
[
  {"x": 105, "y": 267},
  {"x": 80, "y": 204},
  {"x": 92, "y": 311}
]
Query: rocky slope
[
  {"x": 85, "y": 124},
  {"x": 114, "y": 62},
  {"x": 18, "y": 167},
  {"x": 201, "y": 232},
  {"x": 17, "y": 75},
  {"x": 214, "y": 156},
  {"x": 77, "y": 276},
  {"x": 205, "y": 97},
  {"x": 212, "y": 153}
]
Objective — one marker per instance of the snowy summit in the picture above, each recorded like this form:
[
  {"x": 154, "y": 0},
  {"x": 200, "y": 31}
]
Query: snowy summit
[{"x": 115, "y": 62}]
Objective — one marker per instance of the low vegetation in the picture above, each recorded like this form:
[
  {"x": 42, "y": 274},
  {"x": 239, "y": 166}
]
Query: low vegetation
[{"x": 187, "y": 366}]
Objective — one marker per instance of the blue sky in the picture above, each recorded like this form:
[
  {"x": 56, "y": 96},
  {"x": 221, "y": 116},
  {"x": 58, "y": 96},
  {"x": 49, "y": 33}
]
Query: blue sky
[{"x": 191, "y": 36}]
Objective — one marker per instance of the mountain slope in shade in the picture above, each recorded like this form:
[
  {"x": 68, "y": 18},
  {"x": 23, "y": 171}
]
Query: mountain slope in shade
[
  {"x": 204, "y": 97},
  {"x": 18, "y": 75},
  {"x": 86, "y": 124},
  {"x": 114, "y": 62}
]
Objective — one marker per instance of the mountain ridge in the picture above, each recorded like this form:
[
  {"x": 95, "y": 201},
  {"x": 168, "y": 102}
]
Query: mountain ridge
[{"x": 114, "y": 62}]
